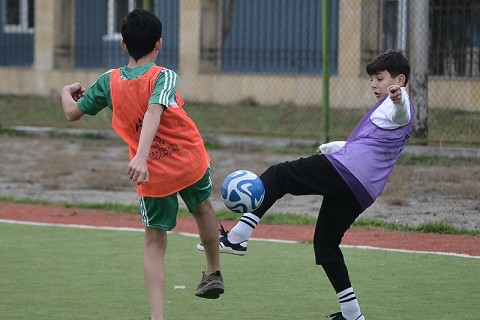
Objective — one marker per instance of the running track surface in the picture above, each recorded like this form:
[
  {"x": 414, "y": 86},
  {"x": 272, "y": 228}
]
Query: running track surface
[{"x": 376, "y": 238}]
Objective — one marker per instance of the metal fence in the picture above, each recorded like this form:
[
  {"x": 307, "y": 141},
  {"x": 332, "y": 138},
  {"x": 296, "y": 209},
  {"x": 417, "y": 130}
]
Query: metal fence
[{"x": 263, "y": 59}]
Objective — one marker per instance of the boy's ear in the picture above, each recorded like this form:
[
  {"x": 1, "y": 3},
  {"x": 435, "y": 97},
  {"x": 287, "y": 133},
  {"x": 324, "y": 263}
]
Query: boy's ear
[
  {"x": 401, "y": 80},
  {"x": 124, "y": 45},
  {"x": 158, "y": 45}
]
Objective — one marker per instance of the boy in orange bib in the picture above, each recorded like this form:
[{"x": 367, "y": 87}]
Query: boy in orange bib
[{"x": 167, "y": 154}]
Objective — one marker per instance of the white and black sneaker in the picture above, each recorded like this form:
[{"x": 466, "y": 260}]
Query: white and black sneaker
[
  {"x": 225, "y": 246},
  {"x": 339, "y": 316}
]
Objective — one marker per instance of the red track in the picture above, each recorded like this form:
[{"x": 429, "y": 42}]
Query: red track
[{"x": 429, "y": 242}]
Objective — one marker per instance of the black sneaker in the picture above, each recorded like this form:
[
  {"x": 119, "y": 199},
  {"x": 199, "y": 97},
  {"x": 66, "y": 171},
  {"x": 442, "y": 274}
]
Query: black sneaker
[
  {"x": 239, "y": 249},
  {"x": 211, "y": 286},
  {"x": 339, "y": 316}
]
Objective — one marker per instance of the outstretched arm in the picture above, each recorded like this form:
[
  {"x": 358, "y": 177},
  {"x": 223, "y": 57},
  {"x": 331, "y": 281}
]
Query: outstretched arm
[
  {"x": 70, "y": 95},
  {"x": 394, "y": 112},
  {"x": 330, "y": 147},
  {"x": 399, "y": 97},
  {"x": 137, "y": 168}
]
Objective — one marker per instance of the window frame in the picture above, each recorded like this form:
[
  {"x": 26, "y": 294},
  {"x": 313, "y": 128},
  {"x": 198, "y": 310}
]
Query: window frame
[
  {"x": 217, "y": 29},
  {"x": 24, "y": 13},
  {"x": 112, "y": 23},
  {"x": 464, "y": 61},
  {"x": 400, "y": 34}
]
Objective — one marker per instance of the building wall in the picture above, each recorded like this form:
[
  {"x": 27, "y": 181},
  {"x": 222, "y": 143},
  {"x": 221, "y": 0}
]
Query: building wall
[{"x": 349, "y": 88}]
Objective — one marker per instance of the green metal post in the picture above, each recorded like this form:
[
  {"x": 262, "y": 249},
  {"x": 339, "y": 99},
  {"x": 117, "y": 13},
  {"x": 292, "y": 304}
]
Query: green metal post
[
  {"x": 147, "y": 5},
  {"x": 326, "y": 67}
]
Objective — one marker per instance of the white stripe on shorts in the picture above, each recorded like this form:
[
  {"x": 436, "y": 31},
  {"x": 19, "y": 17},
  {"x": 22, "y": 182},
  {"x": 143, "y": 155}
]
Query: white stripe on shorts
[{"x": 143, "y": 211}]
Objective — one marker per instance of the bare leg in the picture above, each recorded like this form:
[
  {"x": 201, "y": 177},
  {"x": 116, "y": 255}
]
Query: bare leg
[
  {"x": 154, "y": 270},
  {"x": 208, "y": 230}
]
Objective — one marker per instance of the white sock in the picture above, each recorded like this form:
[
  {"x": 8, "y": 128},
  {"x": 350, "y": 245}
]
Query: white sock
[
  {"x": 349, "y": 305},
  {"x": 244, "y": 228}
]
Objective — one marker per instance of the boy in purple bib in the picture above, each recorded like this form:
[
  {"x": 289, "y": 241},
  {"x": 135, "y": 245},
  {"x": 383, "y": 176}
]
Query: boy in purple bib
[{"x": 350, "y": 175}]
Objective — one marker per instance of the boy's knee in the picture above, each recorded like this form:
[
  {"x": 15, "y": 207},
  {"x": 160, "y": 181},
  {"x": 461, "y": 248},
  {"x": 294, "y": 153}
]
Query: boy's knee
[
  {"x": 155, "y": 238},
  {"x": 203, "y": 205},
  {"x": 272, "y": 171}
]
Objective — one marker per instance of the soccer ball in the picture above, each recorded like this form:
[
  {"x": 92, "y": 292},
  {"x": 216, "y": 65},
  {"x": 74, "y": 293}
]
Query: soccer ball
[{"x": 242, "y": 191}]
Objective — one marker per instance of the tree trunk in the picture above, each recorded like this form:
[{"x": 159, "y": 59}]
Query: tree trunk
[{"x": 419, "y": 34}]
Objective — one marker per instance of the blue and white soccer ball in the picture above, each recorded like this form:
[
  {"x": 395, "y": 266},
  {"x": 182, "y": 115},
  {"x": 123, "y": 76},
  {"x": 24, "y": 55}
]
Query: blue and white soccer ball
[{"x": 242, "y": 191}]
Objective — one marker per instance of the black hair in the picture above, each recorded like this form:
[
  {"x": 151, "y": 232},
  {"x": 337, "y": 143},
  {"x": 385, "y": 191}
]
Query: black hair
[
  {"x": 141, "y": 29},
  {"x": 393, "y": 61}
]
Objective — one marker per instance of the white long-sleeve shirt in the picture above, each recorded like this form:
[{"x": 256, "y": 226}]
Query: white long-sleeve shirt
[{"x": 388, "y": 116}]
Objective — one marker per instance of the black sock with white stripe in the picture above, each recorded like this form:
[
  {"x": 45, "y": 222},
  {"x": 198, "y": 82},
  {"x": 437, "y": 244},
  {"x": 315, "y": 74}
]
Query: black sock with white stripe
[{"x": 244, "y": 228}]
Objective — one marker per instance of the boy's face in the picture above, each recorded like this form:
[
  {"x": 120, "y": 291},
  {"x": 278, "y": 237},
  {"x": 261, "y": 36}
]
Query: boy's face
[{"x": 382, "y": 80}]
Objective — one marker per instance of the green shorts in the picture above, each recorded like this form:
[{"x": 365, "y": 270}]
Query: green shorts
[{"x": 161, "y": 213}]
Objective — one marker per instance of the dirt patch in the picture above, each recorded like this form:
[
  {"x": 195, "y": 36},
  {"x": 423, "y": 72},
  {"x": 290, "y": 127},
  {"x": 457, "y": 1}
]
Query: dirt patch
[{"x": 94, "y": 171}]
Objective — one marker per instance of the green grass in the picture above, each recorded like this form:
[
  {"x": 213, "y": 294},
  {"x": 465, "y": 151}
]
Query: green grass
[
  {"x": 408, "y": 159},
  {"x": 69, "y": 273},
  {"x": 44, "y": 111},
  {"x": 431, "y": 227},
  {"x": 446, "y": 127}
]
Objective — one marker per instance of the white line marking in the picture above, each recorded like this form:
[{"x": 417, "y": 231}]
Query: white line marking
[
  {"x": 80, "y": 226},
  {"x": 414, "y": 251}
]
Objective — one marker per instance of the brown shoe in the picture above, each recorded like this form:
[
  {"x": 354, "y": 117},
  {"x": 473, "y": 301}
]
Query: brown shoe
[{"x": 211, "y": 286}]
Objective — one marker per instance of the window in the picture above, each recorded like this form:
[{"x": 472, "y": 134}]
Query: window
[
  {"x": 266, "y": 36},
  {"x": 454, "y": 38},
  {"x": 384, "y": 26},
  {"x": 19, "y": 16},
  {"x": 394, "y": 25},
  {"x": 98, "y": 25},
  {"x": 117, "y": 10}
]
